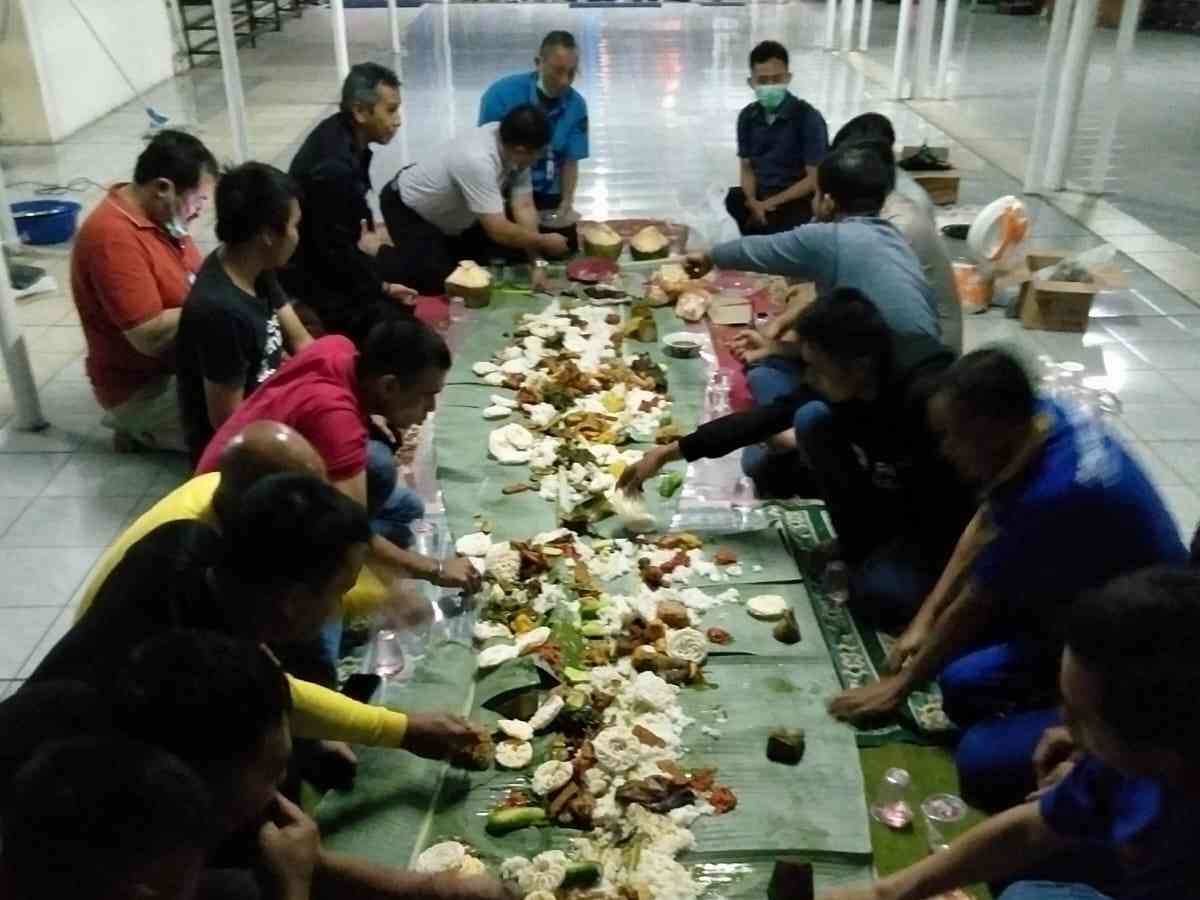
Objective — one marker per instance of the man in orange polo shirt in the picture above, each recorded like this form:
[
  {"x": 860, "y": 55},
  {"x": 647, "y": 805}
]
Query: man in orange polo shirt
[{"x": 131, "y": 269}]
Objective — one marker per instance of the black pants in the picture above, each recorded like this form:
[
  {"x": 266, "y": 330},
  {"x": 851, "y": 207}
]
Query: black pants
[
  {"x": 782, "y": 218},
  {"x": 423, "y": 256}
]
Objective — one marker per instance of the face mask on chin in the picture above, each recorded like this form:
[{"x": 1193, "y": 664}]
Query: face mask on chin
[{"x": 770, "y": 96}]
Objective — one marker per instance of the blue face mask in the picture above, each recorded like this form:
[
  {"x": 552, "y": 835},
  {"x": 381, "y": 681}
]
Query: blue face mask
[{"x": 771, "y": 96}]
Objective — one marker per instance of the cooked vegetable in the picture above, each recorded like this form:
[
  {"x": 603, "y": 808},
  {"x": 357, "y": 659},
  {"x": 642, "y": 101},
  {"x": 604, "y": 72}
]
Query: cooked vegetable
[
  {"x": 670, "y": 483},
  {"x": 582, "y": 874},
  {"x": 505, "y": 821}
]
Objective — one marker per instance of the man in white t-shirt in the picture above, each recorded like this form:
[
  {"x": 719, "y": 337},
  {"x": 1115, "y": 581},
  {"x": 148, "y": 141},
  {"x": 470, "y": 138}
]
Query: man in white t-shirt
[{"x": 472, "y": 198}]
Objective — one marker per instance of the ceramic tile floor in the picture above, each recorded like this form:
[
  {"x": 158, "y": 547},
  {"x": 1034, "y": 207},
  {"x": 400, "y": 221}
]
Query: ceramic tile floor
[{"x": 664, "y": 87}]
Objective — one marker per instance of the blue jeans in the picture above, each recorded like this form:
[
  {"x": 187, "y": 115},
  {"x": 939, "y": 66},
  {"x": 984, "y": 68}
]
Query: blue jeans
[
  {"x": 1051, "y": 890},
  {"x": 773, "y": 378},
  {"x": 1015, "y": 675},
  {"x": 392, "y": 508}
]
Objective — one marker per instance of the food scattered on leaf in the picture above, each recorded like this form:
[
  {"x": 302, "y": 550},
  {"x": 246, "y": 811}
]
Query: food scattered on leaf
[{"x": 786, "y": 745}]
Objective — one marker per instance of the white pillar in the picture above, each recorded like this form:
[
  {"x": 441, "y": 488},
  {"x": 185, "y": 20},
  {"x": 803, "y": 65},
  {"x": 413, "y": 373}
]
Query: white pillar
[
  {"x": 831, "y": 11},
  {"x": 864, "y": 26},
  {"x": 900, "y": 59},
  {"x": 1066, "y": 110},
  {"x": 1035, "y": 174},
  {"x": 394, "y": 22},
  {"x": 926, "y": 21},
  {"x": 1131, "y": 14},
  {"x": 946, "y": 50},
  {"x": 341, "y": 52},
  {"x": 847, "y": 25},
  {"x": 16, "y": 358},
  {"x": 8, "y": 225},
  {"x": 231, "y": 72}
]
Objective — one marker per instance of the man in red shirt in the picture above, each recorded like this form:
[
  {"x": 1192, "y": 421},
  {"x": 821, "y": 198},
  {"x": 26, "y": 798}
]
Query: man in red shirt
[
  {"x": 328, "y": 392},
  {"x": 131, "y": 268}
]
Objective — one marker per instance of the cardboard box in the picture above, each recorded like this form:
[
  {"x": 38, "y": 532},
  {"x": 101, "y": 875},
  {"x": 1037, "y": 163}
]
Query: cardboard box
[
  {"x": 942, "y": 187},
  {"x": 1058, "y": 305}
]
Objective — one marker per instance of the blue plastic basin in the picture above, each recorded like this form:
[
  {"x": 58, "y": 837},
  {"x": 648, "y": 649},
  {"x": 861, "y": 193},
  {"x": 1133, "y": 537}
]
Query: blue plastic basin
[{"x": 46, "y": 221}]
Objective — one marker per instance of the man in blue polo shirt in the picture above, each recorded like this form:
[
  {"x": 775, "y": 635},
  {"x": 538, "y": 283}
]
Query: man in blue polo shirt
[
  {"x": 548, "y": 87},
  {"x": 781, "y": 141},
  {"x": 1066, "y": 509},
  {"x": 1129, "y": 679}
]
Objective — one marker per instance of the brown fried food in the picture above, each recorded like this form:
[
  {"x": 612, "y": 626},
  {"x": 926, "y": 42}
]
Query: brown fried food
[
  {"x": 648, "y": 737},
  {"x": 725, "y": 557},
  {"x": 682, "y": 540},
  {"x": 718, "y": 636},
  {"x": 517, "y": 487},
  {"x": 673, "y": 614},
  {"x": 723, "y": 800}
]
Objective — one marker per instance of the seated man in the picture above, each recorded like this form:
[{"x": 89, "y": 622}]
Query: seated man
[
  {"x": 1129, "y": 678},
  {"x": 328, "y": 394},
  {"x": 556, "y": 174},
  {"x": 131, "y": 269},
  {"x": 290, "y": 549},
  {"x": 237, "y": 324},
  {"x": 781, "y": 140},
  {"x": 105, "y": 819},
  {"x": 451, "y": 205},
  {"x": 259, "y": 450},
  {"x": 909, "y": 208},
  {"x": 1066, "y": 509},
  {"x": 343, "y": 272},
  {"x": 222, "y": 705},
  {"x": 896, "y": 507}
]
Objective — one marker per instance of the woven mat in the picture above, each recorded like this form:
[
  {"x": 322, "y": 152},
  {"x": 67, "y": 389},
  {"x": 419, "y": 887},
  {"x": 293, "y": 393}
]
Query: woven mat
[{"x": 858, "y": 650}]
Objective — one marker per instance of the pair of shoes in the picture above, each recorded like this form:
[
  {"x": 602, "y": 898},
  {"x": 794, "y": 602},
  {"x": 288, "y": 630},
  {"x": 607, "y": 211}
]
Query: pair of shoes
[{"x": 924, "y": 160}]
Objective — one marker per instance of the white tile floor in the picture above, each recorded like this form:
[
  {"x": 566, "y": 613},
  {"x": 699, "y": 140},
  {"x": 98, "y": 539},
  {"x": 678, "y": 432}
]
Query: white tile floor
[{"x": 664, "y": 87}]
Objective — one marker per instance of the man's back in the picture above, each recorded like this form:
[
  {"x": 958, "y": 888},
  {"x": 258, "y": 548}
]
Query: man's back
[
  {"x": 920, "y": 230},
  {"x": 316, "y": 393}
]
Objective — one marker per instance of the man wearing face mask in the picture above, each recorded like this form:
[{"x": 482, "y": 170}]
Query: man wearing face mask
[
  {"x": 132, "y": 265},
  {"x": 548, "y": 87},
  {"x": 472, "y": 198},
  {"x": 781, "y": 141},
  {"x": 237, "y": 323}
]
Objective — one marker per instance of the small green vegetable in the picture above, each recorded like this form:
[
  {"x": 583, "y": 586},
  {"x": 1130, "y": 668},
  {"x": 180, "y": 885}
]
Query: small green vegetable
[
  {"x": 576, "y": 676},
  {"x": 582, "y": 874},
  {"x": 591, "y": 608},
  {"x": 670, "y": 483},
  {"x": 504, "y": 821},
  {"x": 593, "y": 630}
]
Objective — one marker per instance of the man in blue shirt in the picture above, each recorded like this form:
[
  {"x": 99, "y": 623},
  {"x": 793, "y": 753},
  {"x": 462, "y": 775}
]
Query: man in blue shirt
[
  {"x": 1129, "y": 678},
  {"x": 781, "y": 141},
  {"x": 1066, "y": 509},
  {"x": 556, "y": 174}
]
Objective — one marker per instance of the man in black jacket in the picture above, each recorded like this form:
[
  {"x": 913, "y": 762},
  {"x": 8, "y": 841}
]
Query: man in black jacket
[
  {"x": 898, "y": 508},
  {"x": 342, "y": 269}
]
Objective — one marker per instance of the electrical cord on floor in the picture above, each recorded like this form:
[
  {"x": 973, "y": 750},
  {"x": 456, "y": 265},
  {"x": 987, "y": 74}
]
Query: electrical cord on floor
[{"x": 79, "y": 185}]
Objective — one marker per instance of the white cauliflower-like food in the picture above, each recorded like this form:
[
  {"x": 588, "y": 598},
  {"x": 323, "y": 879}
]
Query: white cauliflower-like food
[
  {"x": 617, "y": 749},
  {"x": 490, "y": 657},
  {"x": 516, "y": 729},
  {"x": 483, "y": 367},
  {"x": 541, "y": 414},
  {"x": 766, "y": 606},
  {"x": 511, "y": 868},
  {"x": 503, "y": 563},
  {"x": 494, "y": 379},
  {"x": 532, "y": 639},
  {"x": 547, "y": 712},
  {"x": 550, "y": 776},
  {"x": 474, "y": 544},
  {"x": 541, "y": 895},
  {"x": 661, "y": 877},
  {"x": 596, "y": 782},
  {"x": 501, "y": 400},
  {"x": 447, "y": 856},
  {"x": 651, "y": 692},
  {"x": 472, "y": 867},
  {"x": 497, "y": 412},
  {"x": 687, "y": 644},
  {"x": 513, "y": 754},
  {"x": 545, "y": 872},
  {"x": 510, "y": 444},
  {"x": 487, "y": 631}
]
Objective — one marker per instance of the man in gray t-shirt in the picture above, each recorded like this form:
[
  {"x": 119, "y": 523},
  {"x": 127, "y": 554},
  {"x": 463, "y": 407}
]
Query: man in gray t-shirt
[{"x": 472, "y": 198}]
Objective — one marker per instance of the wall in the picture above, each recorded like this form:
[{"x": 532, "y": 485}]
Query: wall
[
  {"x": 22, "y": 108},
  {"x": 79, "y": 68}
]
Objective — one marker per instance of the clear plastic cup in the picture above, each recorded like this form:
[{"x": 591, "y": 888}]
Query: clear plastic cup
[
  {"x": 890, "y": 806},
  {"x": 945, "y": 819}
]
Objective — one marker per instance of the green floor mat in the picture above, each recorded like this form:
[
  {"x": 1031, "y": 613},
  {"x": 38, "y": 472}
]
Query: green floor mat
[{"x": 858, "y": 651}]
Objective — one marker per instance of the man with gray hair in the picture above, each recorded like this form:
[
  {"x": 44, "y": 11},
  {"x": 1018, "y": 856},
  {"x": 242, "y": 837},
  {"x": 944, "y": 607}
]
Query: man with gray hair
[{"x": 340, "y": 270}]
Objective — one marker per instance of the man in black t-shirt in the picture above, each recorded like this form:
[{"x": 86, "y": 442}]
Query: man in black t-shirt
[{"x": 237, "y": 323}]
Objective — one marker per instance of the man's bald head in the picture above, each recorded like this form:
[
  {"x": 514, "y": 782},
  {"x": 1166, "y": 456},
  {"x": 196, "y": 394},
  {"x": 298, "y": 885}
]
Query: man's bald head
[{"x": 260, "y": 449}]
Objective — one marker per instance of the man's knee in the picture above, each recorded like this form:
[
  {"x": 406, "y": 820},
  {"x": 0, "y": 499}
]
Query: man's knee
[
  {"x": 812, "y": 422},
  {"x": 959, "y": 683}
]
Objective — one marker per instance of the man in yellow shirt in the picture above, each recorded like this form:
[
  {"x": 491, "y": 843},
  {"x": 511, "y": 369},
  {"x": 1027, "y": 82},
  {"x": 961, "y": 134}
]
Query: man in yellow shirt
[{"x": 261, "y": 449}]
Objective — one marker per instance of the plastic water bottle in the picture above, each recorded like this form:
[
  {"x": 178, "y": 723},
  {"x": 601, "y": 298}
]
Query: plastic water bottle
[
  {"x": 390, "y": 660},
  {"x": 837, "y": 582},
  {"x": 890, "y": 805}
]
